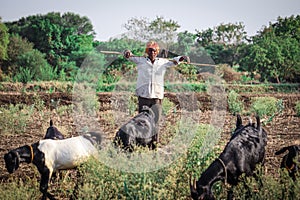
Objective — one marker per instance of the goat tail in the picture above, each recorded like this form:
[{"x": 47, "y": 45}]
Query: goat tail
[{"x": 51, "y": 122}]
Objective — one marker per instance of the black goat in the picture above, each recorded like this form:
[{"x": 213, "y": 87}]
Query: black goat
[
  {"x": 51, "y": 155},
  {"x": 138, "y": 131},
  {"x": 53, "y": 133},
  {"x": 245, "y": 149},
  {"x": 290, "y": 160}
]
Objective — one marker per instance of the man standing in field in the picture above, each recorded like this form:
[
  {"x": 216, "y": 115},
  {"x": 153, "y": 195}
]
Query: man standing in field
[{"x": 150, "y": 78}]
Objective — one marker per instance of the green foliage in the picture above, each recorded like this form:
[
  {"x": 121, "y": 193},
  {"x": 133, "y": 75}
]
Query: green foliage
[
  {"x": 4, "y": 40},
  {"x": 235, "y": 105},
  {"x": 68, "y": 39},
  {"x": 27, "y": 188},
  {"x": 265, "y": 106},
  {"x": 275, "y": 52},
  {"x": 188, "y": 71},
  {"x": 223, "y": 41},
  {"x": 24, "y": 76},
  {"x": 63, "y": 38},
  {"x": 168, "y": 106},
  {"x": 185, "y": 43},
  {"x": 297, "y": 108},
  {"x": 201, "y": 153},
  {"x": 14, "y": 118},
  {"x": 159, "y": 29},
  {"x": 47, "y": 73},
  {"x": 184, "y": 87},
  {"x": 35, "y": 63},
  {"x": 101, "y": 182},
  {"x": 282, "y": 187},
  {"x": 16, "y": 48}
]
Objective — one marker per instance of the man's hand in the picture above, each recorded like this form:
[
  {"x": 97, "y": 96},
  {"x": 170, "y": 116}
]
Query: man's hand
[
  {"x": 127, "y": 53},
  {"x": 186, "y": 58}
]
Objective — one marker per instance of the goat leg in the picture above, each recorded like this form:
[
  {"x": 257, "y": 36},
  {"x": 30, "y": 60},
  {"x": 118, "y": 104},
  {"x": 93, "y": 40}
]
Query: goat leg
[
  {"x": 230, "y": 194},
  {"x": 44, "y": 182},
  {"x": 50, "y": 196}
]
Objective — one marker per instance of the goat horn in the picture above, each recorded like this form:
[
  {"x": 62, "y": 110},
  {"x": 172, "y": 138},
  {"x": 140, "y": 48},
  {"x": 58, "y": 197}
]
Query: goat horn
[
  {"x": 193, "y": 183},
  {"x": 250, "y": 120}
]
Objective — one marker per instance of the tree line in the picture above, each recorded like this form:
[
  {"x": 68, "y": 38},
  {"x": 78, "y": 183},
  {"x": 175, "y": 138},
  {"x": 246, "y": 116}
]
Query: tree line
[{"x": 54, "y": 46}]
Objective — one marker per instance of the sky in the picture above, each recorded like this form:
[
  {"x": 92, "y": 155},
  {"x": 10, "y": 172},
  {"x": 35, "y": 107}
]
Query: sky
[{"x": 109, "y": 16}]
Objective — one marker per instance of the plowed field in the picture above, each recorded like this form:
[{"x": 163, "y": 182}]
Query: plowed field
[{"x": 282, "y": 131}]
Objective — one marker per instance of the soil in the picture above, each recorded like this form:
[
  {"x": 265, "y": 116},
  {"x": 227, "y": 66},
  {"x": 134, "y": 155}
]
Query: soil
[{"x": 282, "y": 131}]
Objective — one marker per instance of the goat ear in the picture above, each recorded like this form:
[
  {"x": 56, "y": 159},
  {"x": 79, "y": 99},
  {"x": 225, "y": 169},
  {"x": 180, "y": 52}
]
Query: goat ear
[
  {"x": 293, "y": 148},
  {"x": 282, "y": 150},
  {"x": 239, "y": 121},
  {"x": 258, "y": 126}
]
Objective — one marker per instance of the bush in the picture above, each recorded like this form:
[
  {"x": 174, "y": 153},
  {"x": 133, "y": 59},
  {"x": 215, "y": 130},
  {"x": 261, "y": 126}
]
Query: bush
[
  {"x": 25, "y": 75},
  {"x": 168, "y": 106},
  {"x": 235, "y": 105},
  {"x": 266, "y": 106},
  {"x": 15, "y": 118},
  {"x": 297, "y": 108}
]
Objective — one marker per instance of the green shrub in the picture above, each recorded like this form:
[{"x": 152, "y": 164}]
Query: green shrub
[
  {"x": 266, "y": 106},
  {"x": 25, "y": 75},
  {"x": 205, "y": 139},
  {"x": 20, "y": 189},
  {"x": 168, "y": 106},
  {"x": 235, "y": 105},
  {"x": 15, "y": 118},
  {"x": 47, "y": 73},
  {"x": 297, "y": 108}
]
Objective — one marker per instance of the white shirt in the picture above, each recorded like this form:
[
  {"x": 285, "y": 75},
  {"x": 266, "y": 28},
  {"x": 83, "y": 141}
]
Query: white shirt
[{"x": 150, "y": 78}]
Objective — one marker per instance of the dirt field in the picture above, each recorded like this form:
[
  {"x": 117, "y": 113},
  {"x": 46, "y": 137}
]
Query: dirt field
[{"x": 282, "y": 131}]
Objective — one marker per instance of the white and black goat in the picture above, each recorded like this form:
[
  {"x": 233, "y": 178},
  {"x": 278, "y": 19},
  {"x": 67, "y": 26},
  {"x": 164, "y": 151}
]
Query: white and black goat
[
  {"x": 51, "y": 155},
  {"x": 245, "y": 149},
  {"x": 290, "y": 160},
  {"x": 138, "y": 131},
  {"x": 53, "y": 133}
]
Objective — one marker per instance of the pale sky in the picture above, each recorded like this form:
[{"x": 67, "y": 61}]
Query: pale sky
[{"x": 109, "y": 16}]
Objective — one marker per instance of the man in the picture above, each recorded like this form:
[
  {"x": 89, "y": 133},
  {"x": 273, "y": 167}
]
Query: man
[{"x": 150, "y": 78}]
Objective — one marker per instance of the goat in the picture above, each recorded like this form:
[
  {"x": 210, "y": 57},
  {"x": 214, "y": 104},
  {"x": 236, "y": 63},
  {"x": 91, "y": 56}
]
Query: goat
[
  {"x": 53, "y": 133},
  {"x": 140, "y": 130},
  {"x": 51, "y": 155},
  {"x": 245, "y": 149},
  {"x": 290, "y": 160}
]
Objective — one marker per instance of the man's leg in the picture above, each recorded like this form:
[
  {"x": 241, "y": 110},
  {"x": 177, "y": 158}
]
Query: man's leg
[{"x": 156, "y": 106}]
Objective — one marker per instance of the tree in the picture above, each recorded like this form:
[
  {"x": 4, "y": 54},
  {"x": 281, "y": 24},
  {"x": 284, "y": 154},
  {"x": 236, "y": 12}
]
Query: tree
[
  {"x": 17, "y": 46},
  {"x": 3, "y": 41},
  {"x": 223, "y": 41},
  {"x": 160, "y": 29},
  {"x": 286, "y": 27},
  {"x": 57, "y": 35},
  {"x": 185, "y": 43},
  {"x": 275, "y": 51}
]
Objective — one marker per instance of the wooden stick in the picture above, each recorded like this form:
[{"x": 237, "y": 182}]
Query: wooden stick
[
  {"x": 111, "y": 52},
  {"x": 120, "y": 53},
  {"x": 200, "y": 64}
]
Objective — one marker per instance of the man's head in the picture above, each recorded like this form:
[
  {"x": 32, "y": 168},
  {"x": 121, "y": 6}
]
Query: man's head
[{"x": 152, "y": 49}]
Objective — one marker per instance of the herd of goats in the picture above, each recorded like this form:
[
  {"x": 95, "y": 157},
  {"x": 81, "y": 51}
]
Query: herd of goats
[{"x": 244, "y": 150}]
